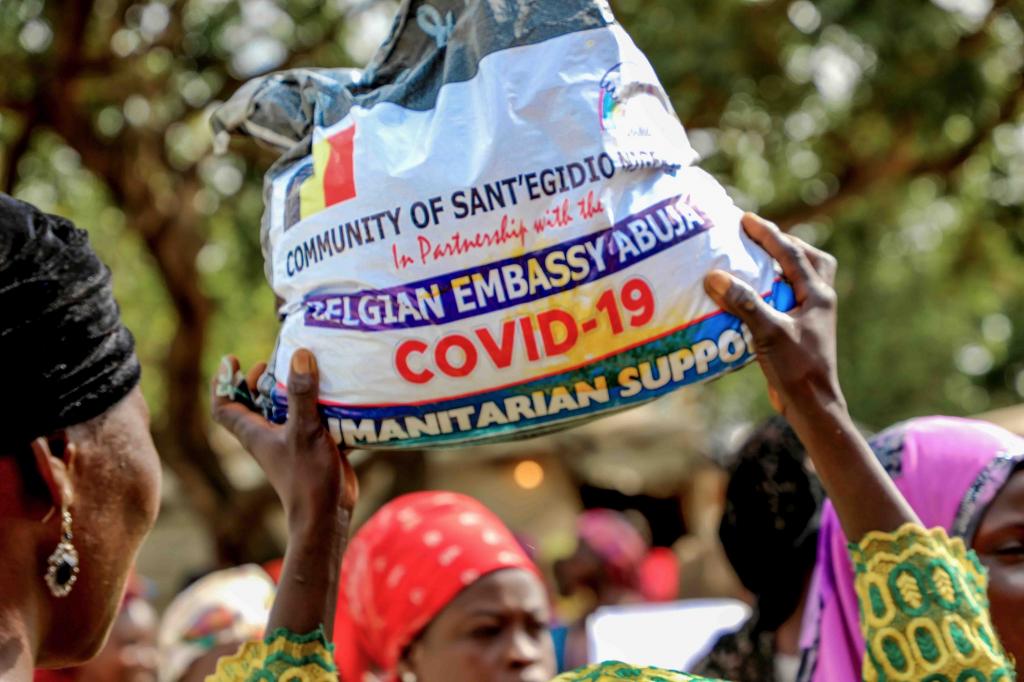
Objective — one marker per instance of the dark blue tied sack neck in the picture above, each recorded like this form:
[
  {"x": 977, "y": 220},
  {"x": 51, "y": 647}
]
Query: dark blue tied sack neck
[{"x": 67, "y": 356}]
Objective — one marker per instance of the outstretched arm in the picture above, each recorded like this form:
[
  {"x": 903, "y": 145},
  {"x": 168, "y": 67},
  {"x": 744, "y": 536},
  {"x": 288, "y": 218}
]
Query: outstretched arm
[
  {"x": 314, "y": 481},
  {"x": 797, "y": 353}
]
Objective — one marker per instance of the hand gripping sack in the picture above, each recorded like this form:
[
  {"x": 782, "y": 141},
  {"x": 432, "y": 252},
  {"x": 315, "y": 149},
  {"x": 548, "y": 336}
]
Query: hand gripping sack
[{"x": 495, "y": 230}]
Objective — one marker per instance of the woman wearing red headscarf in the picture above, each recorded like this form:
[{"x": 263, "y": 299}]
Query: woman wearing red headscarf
[{"x": 435, "y": 586}]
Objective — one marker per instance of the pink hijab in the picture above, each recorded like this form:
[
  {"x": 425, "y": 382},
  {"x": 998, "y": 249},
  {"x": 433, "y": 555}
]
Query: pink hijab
[{"x": 949, "y": 470}]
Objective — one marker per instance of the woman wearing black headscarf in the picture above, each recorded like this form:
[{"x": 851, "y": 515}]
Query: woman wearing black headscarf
[
  {"x": 79, "y": 476},
  {"x": 772, "y": 509}
]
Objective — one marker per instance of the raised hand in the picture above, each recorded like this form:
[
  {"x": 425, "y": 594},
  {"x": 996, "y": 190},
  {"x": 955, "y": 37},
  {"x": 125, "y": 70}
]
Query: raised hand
[
  {"x": 312, "y": 478},
  {"x": 797, "y": 353}
]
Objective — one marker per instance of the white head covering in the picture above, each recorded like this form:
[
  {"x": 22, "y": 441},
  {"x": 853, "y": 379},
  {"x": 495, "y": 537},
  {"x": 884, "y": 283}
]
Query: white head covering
[{"x": 221, "y": 608}]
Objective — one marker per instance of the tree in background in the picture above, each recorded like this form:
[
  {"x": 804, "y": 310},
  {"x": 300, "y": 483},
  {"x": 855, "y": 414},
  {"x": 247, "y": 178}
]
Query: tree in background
[
  {"x": 105, "y": 107},
  {"x": 891, "y": 133}
]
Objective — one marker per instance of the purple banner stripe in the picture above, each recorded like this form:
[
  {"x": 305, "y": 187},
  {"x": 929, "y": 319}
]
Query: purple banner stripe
[{"x": 513, "y": 281}]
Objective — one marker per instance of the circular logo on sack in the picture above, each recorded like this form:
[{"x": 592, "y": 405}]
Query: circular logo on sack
[{"x": 621, "y": 88}]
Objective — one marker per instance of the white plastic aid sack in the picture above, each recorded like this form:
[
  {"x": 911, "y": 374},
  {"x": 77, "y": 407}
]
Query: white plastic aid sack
[{"x": 495, "y": 230}]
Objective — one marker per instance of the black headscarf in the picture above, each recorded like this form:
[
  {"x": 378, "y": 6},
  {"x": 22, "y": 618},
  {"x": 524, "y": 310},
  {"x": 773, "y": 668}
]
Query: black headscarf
[
  {"x": 770, "y": 527},
  {"x": 66, "y": 356}
]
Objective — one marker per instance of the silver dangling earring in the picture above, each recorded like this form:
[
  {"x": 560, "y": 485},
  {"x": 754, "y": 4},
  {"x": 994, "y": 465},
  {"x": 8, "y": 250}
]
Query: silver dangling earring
[{"x": 62, "y": 566}]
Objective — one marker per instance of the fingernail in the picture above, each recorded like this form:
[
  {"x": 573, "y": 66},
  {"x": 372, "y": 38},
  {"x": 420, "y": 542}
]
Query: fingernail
[
  {"x": 302, "y": 362},
  {"x": 223, "y": 388},
  {"x": 718, "y": 283},
  {"x": 224, "y": 373}
]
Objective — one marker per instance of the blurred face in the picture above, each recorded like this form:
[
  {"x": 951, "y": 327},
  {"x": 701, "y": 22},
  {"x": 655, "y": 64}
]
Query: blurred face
[
  {"x": 999, "y": 543},
  {"x": 130, "y": 654},
  {"x": 116, "y": 477},
  {"x": 583, "y": 570},
  {"x": 496, "y": 630}
]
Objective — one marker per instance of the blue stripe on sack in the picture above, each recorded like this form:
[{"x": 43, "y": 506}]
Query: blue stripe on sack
[
  {"x": 657, "y": 222},
  {"x": 655, "y": 352}
]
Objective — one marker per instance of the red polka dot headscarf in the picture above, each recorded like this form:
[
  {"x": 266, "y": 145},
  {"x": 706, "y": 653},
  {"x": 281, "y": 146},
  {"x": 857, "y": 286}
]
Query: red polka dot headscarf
[{"x": 404, "y": 566}]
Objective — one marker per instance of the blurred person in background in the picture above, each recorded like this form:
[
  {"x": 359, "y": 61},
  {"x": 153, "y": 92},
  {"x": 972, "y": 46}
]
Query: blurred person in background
[
  {"x": 130, "y": 654},
  {"x": 773, "y": 508},
  {"x": 961, "y": 475},
  {"x": 212, "y": 618},
  {"x": 79, "y": 476},
  {"x": 605, "y": 569}
]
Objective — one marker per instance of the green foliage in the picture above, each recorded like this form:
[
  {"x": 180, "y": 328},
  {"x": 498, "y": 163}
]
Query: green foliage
[{"x": 891, "y": 134}]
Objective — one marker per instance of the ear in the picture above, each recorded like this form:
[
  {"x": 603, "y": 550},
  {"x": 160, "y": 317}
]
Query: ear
[{"x": 54, "y": 458}]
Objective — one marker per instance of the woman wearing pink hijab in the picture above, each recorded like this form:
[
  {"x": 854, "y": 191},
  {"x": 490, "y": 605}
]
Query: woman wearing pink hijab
[{"x": 962, "y": 475}]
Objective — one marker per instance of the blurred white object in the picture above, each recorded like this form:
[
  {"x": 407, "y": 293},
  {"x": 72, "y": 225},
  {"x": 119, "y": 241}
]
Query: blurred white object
[{"x": 674, "y": 636}]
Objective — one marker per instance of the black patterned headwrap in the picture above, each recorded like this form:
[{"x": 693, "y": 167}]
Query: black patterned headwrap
[
  {"x": 66, "y": 357},
  {"x": 772, "y": 515}
]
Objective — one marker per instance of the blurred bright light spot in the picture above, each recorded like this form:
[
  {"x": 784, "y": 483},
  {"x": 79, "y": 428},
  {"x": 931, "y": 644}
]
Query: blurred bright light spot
[
  {"x": 258, "y": 55},
  {"x": 196, "y": 92},
  {"x": 703, "y": 141},
  {"x": 264, "y": 15},
  {"x": 997, "y": 328},
  {"x": 35, "y": 35},
  {"x": 1008, "y": 191},
  {"x": 65, "y": 160},
  {"x": 1009, "y": 139},
  {"x": 958, "y": 128},
  {"x": 972, "y": 10},
  {"x": 528, "y": 474},
  {"x": 365, "y": 30},
  {"x": 207, "y": 203},
  {"x": 974, "y": 360},
  {"x": 805, "y": 16},
  {"x": 804, "y": 164},
  {"x": 227, "y": 179},
  {"x": 211, "y": 258},
  {"x": 124, "y": 42},
  {"x": 154, "y": 19},
  {"x": 42, "y": 194},
  {"x": 813, "y": 192},
  {"x": 29, "y": 9},
  {"x": 800, "y": 125},
  {"x": 137, "y": 110},
  {"x": 110, "y": 121},
  {"x": 159, "y": 60},
  {"x": 835, "y": 74},
  {"x": 800, "y": 65}
]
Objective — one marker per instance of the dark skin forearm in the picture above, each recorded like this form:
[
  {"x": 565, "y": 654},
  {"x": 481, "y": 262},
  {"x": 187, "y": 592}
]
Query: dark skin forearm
[
  {"x": 797, "y": 353},
  {"x": 864, "y": 496},
  {"x": 308, "y": 593},
  {"x": 315, "y": 483}
]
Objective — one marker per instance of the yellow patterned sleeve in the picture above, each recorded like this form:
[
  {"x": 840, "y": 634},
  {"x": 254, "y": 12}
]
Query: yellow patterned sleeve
[
  {"x": 618, "y": 672},
  {"x": 283, "y": 656},
  {"x": 924, "y": 610}
]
